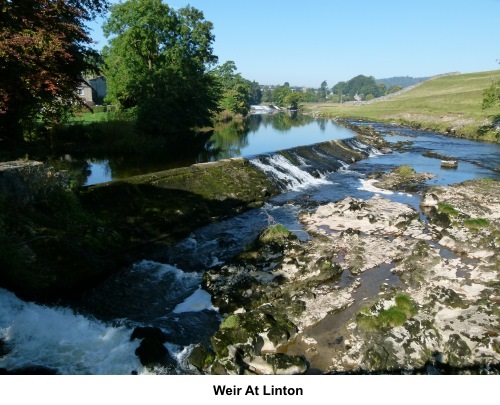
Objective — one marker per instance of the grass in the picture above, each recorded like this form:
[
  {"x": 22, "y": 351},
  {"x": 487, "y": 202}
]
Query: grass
[
  {"x": 274, "y": 233},
  {"x": 476, "y": 224},
  {"x": 447, "y": 209},
  {"x": 450, "y": 104},
  {"x": 394, "y": 316}
]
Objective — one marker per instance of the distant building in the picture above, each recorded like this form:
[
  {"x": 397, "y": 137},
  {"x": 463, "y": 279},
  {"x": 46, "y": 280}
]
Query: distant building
[{"x": 93, "y": 90}]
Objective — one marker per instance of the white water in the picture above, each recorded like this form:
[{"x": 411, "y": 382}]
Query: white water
[
  {"x": 198, "y": 301},
  {"x": 60, "y": 339},
  {"x": 281, "y": 169},
  {"x": 363, "y": 148}
]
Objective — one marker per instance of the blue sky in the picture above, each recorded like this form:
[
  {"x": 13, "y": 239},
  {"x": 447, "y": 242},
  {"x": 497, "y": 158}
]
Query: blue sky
[{"x": 306, "y": 42}]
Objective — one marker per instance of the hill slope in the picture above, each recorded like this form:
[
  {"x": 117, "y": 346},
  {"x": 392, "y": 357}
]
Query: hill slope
[{"x": 450, "y": 104}]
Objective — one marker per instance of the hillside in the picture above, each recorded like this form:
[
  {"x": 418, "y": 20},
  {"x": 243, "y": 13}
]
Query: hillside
[{"x": 450, "y": 104}]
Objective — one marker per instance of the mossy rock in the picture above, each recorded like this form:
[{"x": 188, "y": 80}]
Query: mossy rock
[
  {"x": 457, "y": 351},
  {"x": 245, "y": 330},
  {"x": 201, "y": 357}
]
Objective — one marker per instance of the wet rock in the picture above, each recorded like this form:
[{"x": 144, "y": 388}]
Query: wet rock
[
  {"x": 152, "y": 352},
  {"x": 451, "y": 298},
  {"x": 403, "y": 178},
  {"x": 201, "y": 357},
  {"x": 149, "y": 333}
]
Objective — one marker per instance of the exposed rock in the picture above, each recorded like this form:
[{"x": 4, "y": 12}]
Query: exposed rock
[
  {"x": 403, "y": 178},
  {"x": 201, "y": 357},
  {"x": 153, "y": 353},
  {"x": 449, "y": 314},
  {"x": 149, "y": 333}
]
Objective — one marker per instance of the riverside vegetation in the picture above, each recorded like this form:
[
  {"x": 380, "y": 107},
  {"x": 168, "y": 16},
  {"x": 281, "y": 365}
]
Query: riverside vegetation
[{"x": 450, "y": 105}]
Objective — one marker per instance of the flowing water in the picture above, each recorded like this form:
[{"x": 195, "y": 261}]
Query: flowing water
[{"x": 93, "y": 337}]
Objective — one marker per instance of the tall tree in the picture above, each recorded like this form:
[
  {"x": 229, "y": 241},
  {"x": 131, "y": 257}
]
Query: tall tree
[
  {"x": 158, "y": 61},
  {"x": 235, "y": 89},
  {"x": 45, "y": 49},
  {"x": 323, "y": 90}
]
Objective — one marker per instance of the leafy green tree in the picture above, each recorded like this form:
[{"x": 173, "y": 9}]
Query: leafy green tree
[
  {"x": 323, "y": 91},
  {"x": 255, "y": 93},
  {"x": 279, "y": 94},
  {"x": 293, "y": 99},
  {"x": 339, "y": 89},
  {"x": 235, "y": 89},
  {"x": 310, "y": 96},
  {"x": 45, "y": 49},
  {"x": 491, "y": 95},
  {"x": 360, "y": 85},
  {"x": 394, "y": 89},
  {"x": 158, "y": 63}
]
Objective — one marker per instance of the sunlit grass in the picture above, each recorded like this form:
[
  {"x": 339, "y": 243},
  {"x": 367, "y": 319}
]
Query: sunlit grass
[{"x": 451, "y": 103}]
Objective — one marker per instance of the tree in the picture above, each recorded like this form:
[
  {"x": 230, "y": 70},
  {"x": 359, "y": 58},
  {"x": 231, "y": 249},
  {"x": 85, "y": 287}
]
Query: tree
[
  {"x": 45, "y": 50},
  {"x": 158, "y": 63},
  {"x": 235, "y": 89},
  {"x": 255, "y": 93},
  {"x": 279, "y": 93},
  {"x": 323, "y": 90},
  {"x": 310, "y": 96},
  {"x": 360, "y": 85},
  {"x": 491, "y": 95},
  {"x": 293, "y": 100}
]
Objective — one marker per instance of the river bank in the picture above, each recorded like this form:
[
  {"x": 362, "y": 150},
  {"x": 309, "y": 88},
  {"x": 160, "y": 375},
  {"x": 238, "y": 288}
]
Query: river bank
[{"x": 449, "y": 105}]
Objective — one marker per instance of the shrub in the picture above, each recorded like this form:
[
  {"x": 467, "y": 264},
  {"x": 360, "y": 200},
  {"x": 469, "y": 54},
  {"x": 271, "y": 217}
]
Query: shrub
[{"x": 405, "y": 171}]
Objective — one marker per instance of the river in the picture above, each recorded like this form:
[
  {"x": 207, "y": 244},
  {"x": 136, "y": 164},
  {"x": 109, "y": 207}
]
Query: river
[{"x": 93, "y": 335}]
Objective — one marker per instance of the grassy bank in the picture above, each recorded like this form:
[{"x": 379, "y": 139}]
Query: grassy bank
[{"x": 450, "y": 104}]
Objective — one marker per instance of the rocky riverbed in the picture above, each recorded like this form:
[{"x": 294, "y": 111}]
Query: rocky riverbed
[{"x": 378, "y": 287}]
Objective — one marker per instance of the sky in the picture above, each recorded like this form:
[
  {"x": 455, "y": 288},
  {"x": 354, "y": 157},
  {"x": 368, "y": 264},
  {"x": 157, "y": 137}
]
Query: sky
[{"x": 306, "y": 42}]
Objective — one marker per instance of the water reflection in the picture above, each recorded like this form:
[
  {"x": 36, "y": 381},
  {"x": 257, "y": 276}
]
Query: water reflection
[{"x": 257, "y": 134}]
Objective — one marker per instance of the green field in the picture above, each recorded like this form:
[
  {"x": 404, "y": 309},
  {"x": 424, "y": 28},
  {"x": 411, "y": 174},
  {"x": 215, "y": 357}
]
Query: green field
[{"x": 450, "y": 104}]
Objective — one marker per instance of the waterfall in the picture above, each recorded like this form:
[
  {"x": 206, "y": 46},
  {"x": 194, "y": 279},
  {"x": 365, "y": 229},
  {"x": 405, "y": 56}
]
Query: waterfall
[
  {"x": 365, "y": 149},
  {"x": 285, "y": 173},
  {"x": 308, "y": 166}
]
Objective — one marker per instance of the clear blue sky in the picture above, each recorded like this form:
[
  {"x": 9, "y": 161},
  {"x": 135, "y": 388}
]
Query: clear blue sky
[{"x": 306, "y": 42}]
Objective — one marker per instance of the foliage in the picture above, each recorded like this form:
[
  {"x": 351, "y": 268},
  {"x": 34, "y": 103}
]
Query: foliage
[
  {"x": 292, "y": 100},
  {"x": 360, "y": 85},
  {"x": 45, "y": 50},
  {"x": 405, "y": 171},
  {"x": 401, "y": 81},
  {"x": 158, "y": 62},
  {"x": 279, "y": 94},
  {"x": 310, "y": 96},
  {"x": 450, "y": 104},
  {"x": 235, "y": 89},
  {"x": 323, "y": 91},
  {"x": 491, "y": 96}
]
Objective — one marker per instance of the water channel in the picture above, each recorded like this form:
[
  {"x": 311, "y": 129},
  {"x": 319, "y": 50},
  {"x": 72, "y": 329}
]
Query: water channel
[{"x": 93, "y": 337}]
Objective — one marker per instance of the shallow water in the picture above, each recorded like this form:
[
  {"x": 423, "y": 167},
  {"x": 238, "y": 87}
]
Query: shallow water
[{"x": 93, "y": 336}]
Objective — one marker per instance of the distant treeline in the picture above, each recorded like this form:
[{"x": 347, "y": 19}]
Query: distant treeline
[{"x": 403, "y": 81}]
